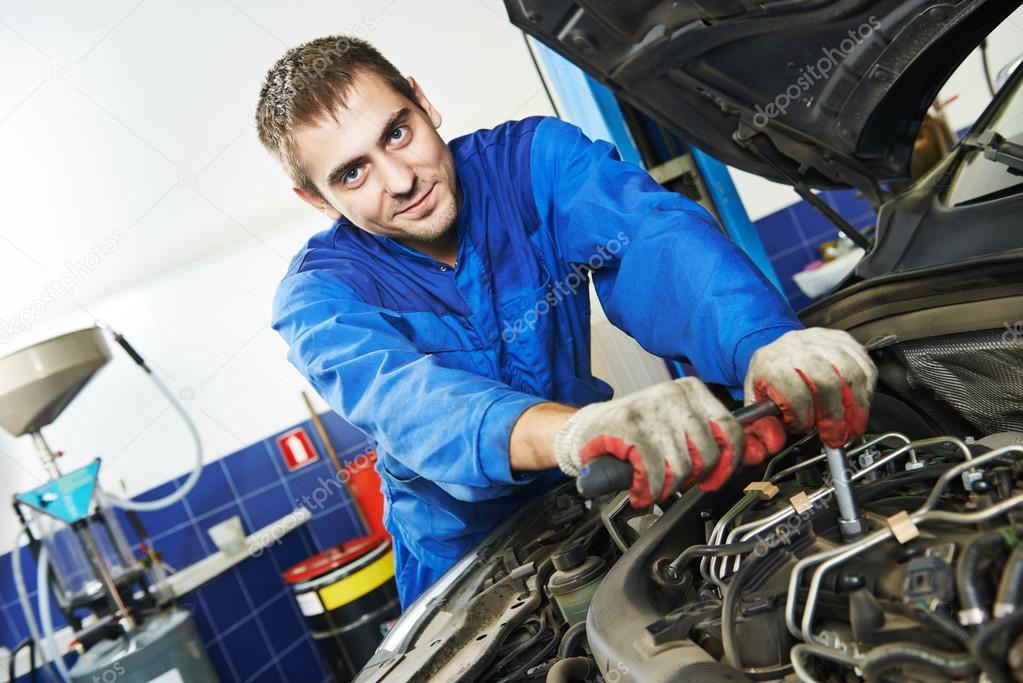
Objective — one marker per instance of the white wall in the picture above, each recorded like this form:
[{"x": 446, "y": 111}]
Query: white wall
[
  {"x": 136, "y": 117},
  {"x": 192, "y": 285},
  {"x": 205, "y": 331}
]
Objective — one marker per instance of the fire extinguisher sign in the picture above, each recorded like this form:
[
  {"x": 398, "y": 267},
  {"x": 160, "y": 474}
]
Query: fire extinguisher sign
[{"x": 296, "y": 449}]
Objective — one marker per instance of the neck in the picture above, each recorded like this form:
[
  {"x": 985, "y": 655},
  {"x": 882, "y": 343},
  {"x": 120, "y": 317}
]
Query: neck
[{"x": 443, "y": 249}]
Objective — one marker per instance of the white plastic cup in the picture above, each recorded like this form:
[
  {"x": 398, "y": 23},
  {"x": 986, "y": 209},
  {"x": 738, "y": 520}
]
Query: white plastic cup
[{"x": 229, "y": 536}]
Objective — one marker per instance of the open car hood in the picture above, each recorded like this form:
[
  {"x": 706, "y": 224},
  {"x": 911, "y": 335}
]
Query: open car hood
[{"x": 829, "y": 93}]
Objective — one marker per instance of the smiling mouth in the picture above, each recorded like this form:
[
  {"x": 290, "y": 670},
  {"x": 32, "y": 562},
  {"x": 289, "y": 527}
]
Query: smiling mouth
[{"x": 418, "y": 204}]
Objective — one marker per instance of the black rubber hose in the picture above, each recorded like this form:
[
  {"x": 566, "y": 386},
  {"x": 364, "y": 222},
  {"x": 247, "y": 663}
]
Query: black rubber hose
[
  {"x": 885, "y": 657},
  {"x": 728, "y": 609},
  {"x": 573, "y": 669},
  {"x": 1011, "y": 583},
  {"x": 130, "y": 350},
  {"x": 570, "y": 641},
  {"x": 543, "y": 654},
  {"x": 524, "y": 645},
  {"x": 993, "y": 664},
  {"x": 896, "y": 481},
  {"x": 985, "y": 65},
  {"x": 748, "y": 574},
  {"x": 725, "y": 550},
  {"x": 966, "y": 569}
]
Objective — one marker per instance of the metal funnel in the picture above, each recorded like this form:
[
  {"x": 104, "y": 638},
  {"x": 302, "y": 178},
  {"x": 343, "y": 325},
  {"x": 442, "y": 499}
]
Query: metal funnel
[{"x": 37, "y": 382}]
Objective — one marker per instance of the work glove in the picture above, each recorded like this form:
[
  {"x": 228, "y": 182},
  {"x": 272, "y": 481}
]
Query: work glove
[
  {"x": 817, "y": 377},
  {"x": 675, "y": 434}
]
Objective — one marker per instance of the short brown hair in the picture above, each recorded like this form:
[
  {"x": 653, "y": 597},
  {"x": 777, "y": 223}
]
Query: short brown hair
[{"x": 306, "y": 85}]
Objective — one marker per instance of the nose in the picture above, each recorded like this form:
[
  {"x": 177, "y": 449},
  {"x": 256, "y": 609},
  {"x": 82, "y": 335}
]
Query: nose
[{"x": 398, "y": 178}]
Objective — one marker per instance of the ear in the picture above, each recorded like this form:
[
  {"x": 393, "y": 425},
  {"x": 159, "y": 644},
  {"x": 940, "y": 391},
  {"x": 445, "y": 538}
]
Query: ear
[
  {"x": 435, "y": 117},
  {"x": 318, "y": 203}
]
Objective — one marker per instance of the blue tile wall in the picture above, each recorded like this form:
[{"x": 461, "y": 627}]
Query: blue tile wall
[
  {"x": 247, "y": 617},
  {"x": 792, "y": 236}
]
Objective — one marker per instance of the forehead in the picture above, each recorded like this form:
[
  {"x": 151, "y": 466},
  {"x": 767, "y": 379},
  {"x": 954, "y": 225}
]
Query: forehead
[{"x": 351, "y": 129}]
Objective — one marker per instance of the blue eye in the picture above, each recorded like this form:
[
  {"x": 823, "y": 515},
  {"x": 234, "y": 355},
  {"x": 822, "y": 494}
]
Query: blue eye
[
  {"x": 352, "y": 175},
  {"x": 398, "y": 134}
]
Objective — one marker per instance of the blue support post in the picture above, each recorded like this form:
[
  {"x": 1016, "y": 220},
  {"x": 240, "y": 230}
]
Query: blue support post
[
  {"x": 733, "y": 214},
  {"x": 588, "y": 103}
]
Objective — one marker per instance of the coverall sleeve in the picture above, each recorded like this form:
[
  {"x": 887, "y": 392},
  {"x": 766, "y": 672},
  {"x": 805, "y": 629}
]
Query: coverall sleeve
[
  {"x": 446, "y": 425},
  {"x": 662, "y": 268}
]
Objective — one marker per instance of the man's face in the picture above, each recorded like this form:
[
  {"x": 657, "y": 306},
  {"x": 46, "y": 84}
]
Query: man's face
[{"x": 382, "y": 165}]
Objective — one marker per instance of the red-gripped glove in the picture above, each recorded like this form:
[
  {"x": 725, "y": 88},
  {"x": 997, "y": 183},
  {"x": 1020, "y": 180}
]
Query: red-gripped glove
[
  {"x": 817, "y": 377},
  {"x": 675, "y": 434}
]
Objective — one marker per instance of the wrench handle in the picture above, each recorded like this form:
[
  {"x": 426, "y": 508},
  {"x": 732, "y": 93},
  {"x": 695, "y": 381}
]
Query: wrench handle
[{"x": 608, "y": 474}]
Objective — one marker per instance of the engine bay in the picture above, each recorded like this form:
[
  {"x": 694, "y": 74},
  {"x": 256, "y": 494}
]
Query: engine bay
[
  {"x": 895, "y": 558},
  {"x": 759, "y": 582},
  {"x": 927, "y": 589}
]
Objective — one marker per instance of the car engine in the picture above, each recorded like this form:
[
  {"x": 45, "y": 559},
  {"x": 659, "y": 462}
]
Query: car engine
[
  {"x": 895, "y": 558},
  {"x": 924, "y": 589},
  {"x": 777, "y": 584}
]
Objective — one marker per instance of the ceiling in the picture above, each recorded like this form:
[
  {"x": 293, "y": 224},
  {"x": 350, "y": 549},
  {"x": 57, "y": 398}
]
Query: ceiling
[{"x": 128, "y": 149}]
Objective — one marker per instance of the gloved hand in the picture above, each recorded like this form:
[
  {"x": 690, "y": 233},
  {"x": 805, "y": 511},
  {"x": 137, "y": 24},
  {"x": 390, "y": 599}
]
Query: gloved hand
[
  {"x": 816, "y": 377},
  {"x": 674, "y": 434}
]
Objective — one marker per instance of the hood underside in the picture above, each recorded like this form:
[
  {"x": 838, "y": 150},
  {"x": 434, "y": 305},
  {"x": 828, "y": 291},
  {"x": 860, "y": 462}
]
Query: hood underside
[{"x": 828, "y": 93}]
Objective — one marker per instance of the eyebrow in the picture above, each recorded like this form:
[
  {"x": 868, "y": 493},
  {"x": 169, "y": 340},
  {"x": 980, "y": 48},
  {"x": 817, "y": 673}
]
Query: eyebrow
[{"x": 339, "y": 171}]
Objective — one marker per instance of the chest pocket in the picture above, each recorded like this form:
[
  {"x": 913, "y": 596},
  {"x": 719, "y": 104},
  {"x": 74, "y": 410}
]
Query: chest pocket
[{"x": 527, "y": 338}]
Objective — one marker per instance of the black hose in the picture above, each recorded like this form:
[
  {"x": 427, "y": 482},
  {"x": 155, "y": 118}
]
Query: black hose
[
  {"x": 731, "y": 600},
  {"x": 547, "y": 616},
  {"x": 573, "y": 669},
  {"x": 993, "y": 664},
  {"x": 31, "y": 645},
  {"x": 769, "y": 471},
  {"x": 897, "y": 481},
  {"x": 749, "y": 574},
  {"x": 973, "y": 554},
  {"x": 724, "y": 550},
  {"x": 524, "y": 645},
  {"x": 885, "y": 657},
  {"x": 1011, "y": 583},
  {"x": 570, "y": 641},
  {"x": 986, "y": 66},
  {"x": 130, "y": 350}
]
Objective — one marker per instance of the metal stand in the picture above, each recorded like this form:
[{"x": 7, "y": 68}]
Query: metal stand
[
  {"x": 117, "y": 606},
  {"x": 46, "y": 455}
]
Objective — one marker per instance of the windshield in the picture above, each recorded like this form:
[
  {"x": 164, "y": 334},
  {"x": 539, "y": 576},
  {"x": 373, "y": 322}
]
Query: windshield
[{"x": 977, "y": 177}]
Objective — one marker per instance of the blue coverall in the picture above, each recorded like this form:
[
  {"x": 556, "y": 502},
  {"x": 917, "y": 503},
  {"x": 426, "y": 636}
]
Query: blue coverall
[{"x": 435, "y": 363}]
